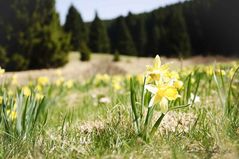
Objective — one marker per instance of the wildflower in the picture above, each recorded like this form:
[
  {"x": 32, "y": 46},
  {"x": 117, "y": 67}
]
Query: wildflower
[
  {"x": 104, "y": 100},
  {"x": 162, "y": 92},
  {"x": 178, "y": 84},
  {"x": 38, "y": 88},
  {"x": 26, "y": 91},
  {"x": 39, "y": 96},
  {"x": 1, "y": 100},
  {"x": 69, "y": 84},
  {"x": 164, "y": 84},
  {"x": 59, "y": 81},
  {"x": 195, "y": 98},
  {"x": 128, "y": 76},
  {"x": 116, "y": 83},
  {"x": 2, "y": 71},
  {"x": 209, "y": 70},
  {"x": 12, "y": 114},
  {"x": 102, "y": 79},
  {"x": 43, "y": 81},
  {"x": 14, "y": 80},
  {"x": 10, "y": 93},
  {"x": 173, "y": 75},
  {"x": 116, "y": 86},
  {"x": 157, "y": 70},
  {"x": 221, "y": 72}
]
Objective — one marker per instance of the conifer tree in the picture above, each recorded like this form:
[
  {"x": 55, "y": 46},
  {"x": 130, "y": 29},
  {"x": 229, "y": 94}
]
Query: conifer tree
[
  {"x": 177, "y": 39},
  {"x": 31, "y": 33},
  {"x": 98, "y": 36},
  {"x": 121, "y": 38},
  {"x": 136, "y": 27},
  {"x": 153, "y": 35},
  {"x": 76, "y": 27}
]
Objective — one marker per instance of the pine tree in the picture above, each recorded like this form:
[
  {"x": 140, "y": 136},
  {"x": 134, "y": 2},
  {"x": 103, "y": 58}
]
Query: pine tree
[
  {"x": 76, "y": 27},
  {"x": 153, "y": 35},
  {"x": 98, "y": 36},
  {"x": 3, "y": 57},
  {"x": 177, "y": 39},
  {"x": 121, "y": 39},
  {"x": 140, "y": 40},
  {"x": 136, "y": 27},
  {"x": 32, "y": 34}
]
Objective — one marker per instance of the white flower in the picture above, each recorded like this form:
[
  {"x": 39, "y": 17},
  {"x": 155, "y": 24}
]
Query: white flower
[
  {"x": 104, "y": 100},
  {"x": 196, "y": 100}
]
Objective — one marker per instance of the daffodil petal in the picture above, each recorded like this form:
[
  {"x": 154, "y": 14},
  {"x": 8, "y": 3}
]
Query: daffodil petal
[
  {"x": 164, "y": 105},
  {"x": 171, "y": 93},
  {"x": 151, "y": 88},
  {"x": 151, "y": 103}
]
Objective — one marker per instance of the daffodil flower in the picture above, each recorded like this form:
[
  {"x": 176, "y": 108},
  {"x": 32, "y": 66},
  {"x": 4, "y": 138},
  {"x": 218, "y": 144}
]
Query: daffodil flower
[
  {"x": 2, "y": 71},
  {"x": 43, "y": 81},
  {"x": 161, "y": 93},
  {"x": 1, "y": 100},
  {"x": 69, "y": 84},
  {"x": 26, "y": 91},
  {"x": 12, "y": 114},
  {"x": 157, "y": 71}
]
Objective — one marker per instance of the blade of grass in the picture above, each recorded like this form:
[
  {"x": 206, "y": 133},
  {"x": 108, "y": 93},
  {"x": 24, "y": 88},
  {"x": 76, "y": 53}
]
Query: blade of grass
[{"x": 133, "y": 103}]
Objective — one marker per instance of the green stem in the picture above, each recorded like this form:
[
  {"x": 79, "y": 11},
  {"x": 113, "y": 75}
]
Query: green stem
[
  {"x": 133, "y": 104},
  {"x": 142, "y": 99},
  {"x": 156, "y": 125}
]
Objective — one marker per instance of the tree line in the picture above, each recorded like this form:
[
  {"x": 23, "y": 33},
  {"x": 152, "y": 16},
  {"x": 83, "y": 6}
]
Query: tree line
[
  {"x": 197, "y": 27},
  {"x": 31, "y": 36}
]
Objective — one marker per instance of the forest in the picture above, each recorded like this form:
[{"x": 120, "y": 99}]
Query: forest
[{"x": 32, "y": 37}]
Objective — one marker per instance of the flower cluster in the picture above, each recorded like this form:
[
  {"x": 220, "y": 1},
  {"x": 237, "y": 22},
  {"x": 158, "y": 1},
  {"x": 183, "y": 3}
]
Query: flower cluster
[{"x": 162, "y": 83}]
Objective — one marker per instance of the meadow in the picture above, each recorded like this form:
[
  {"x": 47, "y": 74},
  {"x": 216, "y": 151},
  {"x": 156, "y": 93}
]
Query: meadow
[{"x": 165, "y": 111}]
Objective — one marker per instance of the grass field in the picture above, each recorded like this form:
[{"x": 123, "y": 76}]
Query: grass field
[{"x": 85, "y": 110}]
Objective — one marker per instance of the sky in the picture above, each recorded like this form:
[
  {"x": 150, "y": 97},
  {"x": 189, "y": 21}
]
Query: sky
[{"x": 108, "y": 9}]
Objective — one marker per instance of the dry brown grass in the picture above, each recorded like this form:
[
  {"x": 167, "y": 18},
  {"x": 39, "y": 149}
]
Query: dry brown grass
[{"x": 102, "y": 63}]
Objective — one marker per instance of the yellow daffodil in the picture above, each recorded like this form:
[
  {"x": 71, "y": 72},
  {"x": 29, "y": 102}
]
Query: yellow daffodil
[
  {"x": 178, "y": 84},
  {"x": 116, "y": 86},
  {"x": 1, "y": 100},
  {"x": 59, "y": 81},
  {"x": 157, "y": 70},
  {"x": 161, "y": 92},
  {"x": 99, "y": 78},
  {"x": 26, "y": 91},
  {"x": 43, "y": 81},
  {"x": 2, "y": 71},
  {"x": 14, "y": 80},
  {"x": 12, "y": 114},
  {"x": 39, "y": 96},
  {"x": 209, "y": 70},
  {"x": 173, "y": 75},
  {"x": 116, "y": 83},
  {"x": 164, "y": 84},
  {"x": 140, "y": 78},
  {"x": 69, "y": 84},
  {"x": 10, "y": 93},
  {"x": 38, "y": 88}
]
